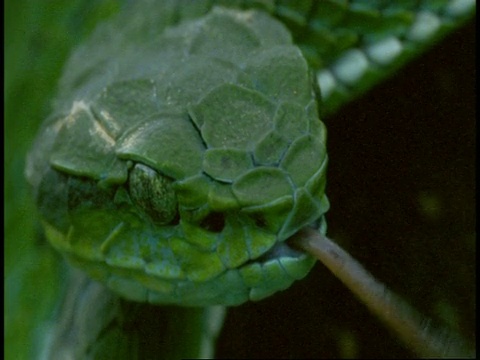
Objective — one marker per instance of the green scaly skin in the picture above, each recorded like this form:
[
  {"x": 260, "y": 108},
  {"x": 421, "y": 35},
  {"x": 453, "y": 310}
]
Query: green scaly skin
[
  {"x": 339, "y": 85},
  {"x": 177, "y": 177}
]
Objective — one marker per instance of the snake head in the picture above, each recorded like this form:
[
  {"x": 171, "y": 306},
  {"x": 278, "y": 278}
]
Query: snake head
[{"x": 177, "y": 176}]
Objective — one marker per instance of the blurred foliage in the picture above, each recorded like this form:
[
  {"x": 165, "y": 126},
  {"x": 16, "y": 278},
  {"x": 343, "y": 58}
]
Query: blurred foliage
[
  {"x": 401, "y": 184},
  {"x": 38, "y": 37}
]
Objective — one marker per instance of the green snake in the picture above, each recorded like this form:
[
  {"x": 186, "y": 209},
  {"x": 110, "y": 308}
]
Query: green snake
[{"x": 177, "y": 175}]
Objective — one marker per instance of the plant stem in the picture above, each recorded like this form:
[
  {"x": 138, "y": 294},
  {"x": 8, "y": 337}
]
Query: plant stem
[{"x": 414, "y": 329}]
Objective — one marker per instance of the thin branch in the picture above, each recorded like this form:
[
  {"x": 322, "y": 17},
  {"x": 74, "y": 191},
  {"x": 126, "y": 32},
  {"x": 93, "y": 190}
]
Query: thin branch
[{"x": 414, "y": 329}]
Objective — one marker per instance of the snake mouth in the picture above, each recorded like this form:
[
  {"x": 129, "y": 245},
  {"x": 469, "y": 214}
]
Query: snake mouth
[
  {"x": 281, "y": 252},
  {"x": 289, "y": 247},
  {"x": 281, "y": 249}
]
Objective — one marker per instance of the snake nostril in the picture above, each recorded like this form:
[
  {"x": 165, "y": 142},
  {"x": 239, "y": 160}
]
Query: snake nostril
[{"x": 214, "y": 222}]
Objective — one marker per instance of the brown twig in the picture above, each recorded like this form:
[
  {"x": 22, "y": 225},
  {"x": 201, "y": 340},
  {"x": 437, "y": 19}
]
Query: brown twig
[{"x": 413, "y": 328}]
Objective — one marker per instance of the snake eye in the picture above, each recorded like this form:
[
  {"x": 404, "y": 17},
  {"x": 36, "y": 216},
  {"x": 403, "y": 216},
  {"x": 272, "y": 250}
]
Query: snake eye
[
  {"x": 214, "y": 222},
  {"x": 153, "y": 194}
]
